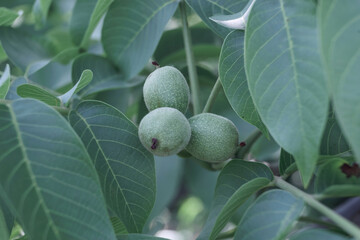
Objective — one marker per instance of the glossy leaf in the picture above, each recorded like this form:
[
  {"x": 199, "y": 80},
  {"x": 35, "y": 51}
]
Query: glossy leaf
[
  {"x": 86, "y": 15},
  {"x": 209, "y": 8},
  {"x": 236, "y": 183},
  {"x": 332, "y": 181},
  {"x": 4, "y": 234},
  {"x": 270, "y": 217},
  {"x": 7, "y": 16},
  {"x": 47, "y": 175},
  {"x": 139, "y": 237},
  {"x": 15, "y": 41},
  {"x": 134, "y": 26},
  {"x": 125, "y": 167},
  {"x": 233, "y": 79},
  {"x": 35, "y": 92},
  {"x": 318, "y": 234},
  {"x": 339, "y": 21},
  {"x": 40, "y": 11},
  {"x": 5, "y": 82},
  {"x": 285, "y": 77},
  {"x": 106, "y": 77},
  {"x": 84, "y": 80}
]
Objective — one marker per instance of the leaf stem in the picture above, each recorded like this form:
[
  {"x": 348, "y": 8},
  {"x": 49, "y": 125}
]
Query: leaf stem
[
  {"x": 214, "y": 92},
  {"x": 343, "y": 223},
  {"x": 190, "y": 59}
]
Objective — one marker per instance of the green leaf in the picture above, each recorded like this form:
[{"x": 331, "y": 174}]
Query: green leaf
[
  {"x": 125, "y": 168},
  {"x": 235, "y": 21},
  {"x": 270, "y": 217},
  {"x": 7, "y": 16},
  {"x": 85, "y": 16},
  {"x": 170, "y": 49},
  {"x": 12, "y": 93},
  {"x": 118, "y": 225},
  {"x": 15, "y": 41},
  {"x": 332, "y": 181},
  {"x": 134, "y": 27},
  {"x": 4, "y": 234},
  {"x": 84, "y": 80},
  {"x": 236, "y": 183},
  {"x": 5, "y": 82},
  {"x": 233, "y": 79},
  {"x": 39, "y": 93},
  {"x": 169, "y": 173},
  {"x": 286, "y": 161},
  {"x": 138, "y": 237},
  {"x": 333, "y": 141},
  {"x": 339, "y": 21},
  {"x": 209, "y": 8},
  {"x": 8, "y": 216},
  {"x": 40, "y": 11},
  {"x": 285, "y": 77},
  {"x": 318, "y": 234},
  {"x": 105, "y": 76},
  {"x": 63, "y": 57},
  {"x": 48, "y": 176}
]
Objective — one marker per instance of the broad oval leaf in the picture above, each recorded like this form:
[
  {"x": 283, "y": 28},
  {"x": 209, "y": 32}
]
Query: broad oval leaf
[
  {"x": 236, "y": 183},
  {"x": 47, "y": 175},
  {"x": 285, "y": 76},
  {"x": 85, "y": 16},
  {"x": 132, "y": 29},
  {"x": 233, "y": 79},
  {"x": 339, "y": 21},
  {"x": 5, "y": 82},
  {"x": 270, "y": 217},
  {"x": 125, "y": 167},
  {"x": 318, "y": 234},
  {"x": 209, "y": 8},
  {"x": 332, "y": 181},
  {"x": 39, "y": 93},
  {"x": 15, "y": 41},
  {"x": 7, "y": 16}
]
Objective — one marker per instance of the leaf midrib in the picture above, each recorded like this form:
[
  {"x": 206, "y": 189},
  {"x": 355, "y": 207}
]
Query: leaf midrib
[
  {"x": 31, "y": 174},
  {"x": 292, "y": 55},
  {"x": 110, "y": 168}
]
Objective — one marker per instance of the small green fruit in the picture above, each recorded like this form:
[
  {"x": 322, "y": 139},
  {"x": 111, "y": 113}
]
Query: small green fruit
[
  {"x": 213, "y": 138},
  {"x": 166, "y": 87},
  {"x": 164, "y": 131}
]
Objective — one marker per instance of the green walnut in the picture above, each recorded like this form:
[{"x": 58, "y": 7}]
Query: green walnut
[
  {"x": 164, "y": 131},
  {"x": 166, "y": 87},
  {"x": 213, "y": 138}
]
